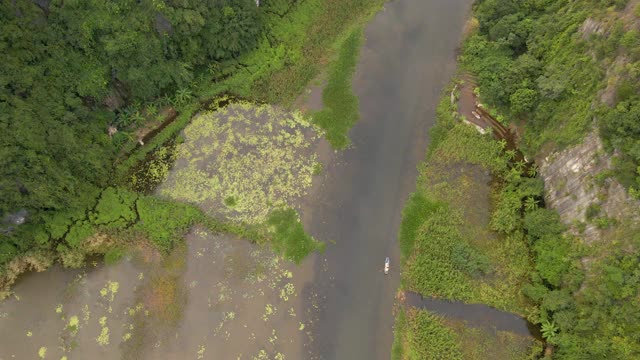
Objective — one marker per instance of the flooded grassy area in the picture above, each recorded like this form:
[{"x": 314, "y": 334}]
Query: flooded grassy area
[
  {"x": 62, "y": 313},
  {"x": 424, "y": 335},
  {"x": 456, "y": 200},
  {"x": 248, "y": 305},
  {"x": 210, "y": 296},
  {"x": 458, "y": 243}
]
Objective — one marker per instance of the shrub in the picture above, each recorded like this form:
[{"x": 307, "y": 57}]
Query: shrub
[
  {"x": 542, "y": 222},
  {"x": 115, "y": 208},
  {"x": 553, "y": 258},
  {"x": 288, "y": 236},
  {"x": 113, "y": 255}
]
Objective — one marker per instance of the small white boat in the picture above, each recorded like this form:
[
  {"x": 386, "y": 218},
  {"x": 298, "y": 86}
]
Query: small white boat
[{"x": 386, "y": 265}]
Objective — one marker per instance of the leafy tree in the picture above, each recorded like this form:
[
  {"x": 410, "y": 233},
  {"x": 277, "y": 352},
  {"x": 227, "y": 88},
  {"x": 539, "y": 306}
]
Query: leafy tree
[
  {"x": 523, "y": 101},
  {"x": 549, "y": 331}
]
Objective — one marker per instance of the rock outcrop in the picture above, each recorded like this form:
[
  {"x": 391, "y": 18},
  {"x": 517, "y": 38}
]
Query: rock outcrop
[{"x": 574, "y": 183}]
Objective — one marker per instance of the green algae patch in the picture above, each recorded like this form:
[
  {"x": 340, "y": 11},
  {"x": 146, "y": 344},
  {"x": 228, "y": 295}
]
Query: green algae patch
[
  {"x": 341, "y": 105},
  {"x": 242, "y": 161}
]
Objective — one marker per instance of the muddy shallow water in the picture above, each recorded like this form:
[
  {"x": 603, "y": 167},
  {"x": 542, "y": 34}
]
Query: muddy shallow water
[
  {"x": 239, "y": 302},
  {"x": 475, "y": 315}
]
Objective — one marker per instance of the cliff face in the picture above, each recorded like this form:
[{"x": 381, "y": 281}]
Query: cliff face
[{"x": 586, "y": 201}]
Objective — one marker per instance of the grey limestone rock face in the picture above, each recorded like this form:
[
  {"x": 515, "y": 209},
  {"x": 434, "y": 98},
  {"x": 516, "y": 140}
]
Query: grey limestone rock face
[
  {"x": 571, "y": 188},
  {"x": 10, "y": 221}
]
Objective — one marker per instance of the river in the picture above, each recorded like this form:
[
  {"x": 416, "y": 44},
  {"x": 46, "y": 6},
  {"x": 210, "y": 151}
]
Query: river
[
  {"x": 407, "y": 59},
  {"x": 238, "y": 301}
]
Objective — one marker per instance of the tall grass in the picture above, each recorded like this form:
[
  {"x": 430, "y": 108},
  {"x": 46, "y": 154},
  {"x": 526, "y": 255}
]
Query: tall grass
[
  {"x": 427, "y": 338},
  {"x": 322, "y": 22},
  {"x": 417, "y": 209}
]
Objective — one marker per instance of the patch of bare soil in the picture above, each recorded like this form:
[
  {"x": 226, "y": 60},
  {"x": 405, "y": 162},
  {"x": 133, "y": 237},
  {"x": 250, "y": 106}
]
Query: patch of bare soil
[
  {"x": 151, "y": 128},
  {"x": 311, "y": 99}
]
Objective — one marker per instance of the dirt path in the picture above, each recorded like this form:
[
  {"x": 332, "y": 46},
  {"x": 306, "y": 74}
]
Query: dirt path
[{"x": 407, "y": 59}]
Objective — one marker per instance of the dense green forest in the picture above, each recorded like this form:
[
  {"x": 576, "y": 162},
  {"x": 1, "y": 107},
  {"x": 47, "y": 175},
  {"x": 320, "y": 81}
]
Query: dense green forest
[
  {"x": 70, "y": 68},
  {"x": 538, "y": 64}
]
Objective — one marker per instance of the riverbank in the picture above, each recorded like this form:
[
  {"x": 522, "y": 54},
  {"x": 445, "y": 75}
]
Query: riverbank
[
  {"x": 561, "y": 74},
  {"x": 461, "y": 239}
]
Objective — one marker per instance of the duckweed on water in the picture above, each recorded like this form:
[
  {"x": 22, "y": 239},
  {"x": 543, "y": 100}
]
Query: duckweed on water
[{"x": 244, "y": 160}]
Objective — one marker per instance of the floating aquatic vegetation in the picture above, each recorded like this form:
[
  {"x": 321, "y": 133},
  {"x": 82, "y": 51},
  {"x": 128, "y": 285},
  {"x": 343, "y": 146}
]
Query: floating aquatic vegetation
[
  {"x": 86, "y": 314},
  {"x": 73, "y": 325},
  {"x": 242, "y": 161},
  {"x": 103, "y": 338},
  {"x": 268, "y": 311},
  {"x": 110, "y": 290}
]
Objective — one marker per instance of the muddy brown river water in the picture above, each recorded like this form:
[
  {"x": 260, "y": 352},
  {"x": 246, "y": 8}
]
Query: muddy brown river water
[
  {"x": 407, "y": 59},
  {"x": 235, "y": 300}
]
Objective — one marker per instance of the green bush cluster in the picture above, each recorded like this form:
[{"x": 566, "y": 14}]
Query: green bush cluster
[
  {"x": 530, "y": 64},
  {"x": 287, "y": 235},
  {"x": 534, "y": 64},
  {"x": 591, "y": 316}
]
